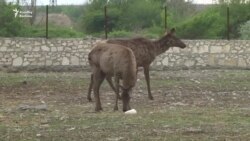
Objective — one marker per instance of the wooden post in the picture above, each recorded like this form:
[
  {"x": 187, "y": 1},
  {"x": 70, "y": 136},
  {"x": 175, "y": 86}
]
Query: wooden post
[
  {"x": 47, "y": 15},
  {"x": 228, "y": 24},
  {"x": 106, "y": 22}
]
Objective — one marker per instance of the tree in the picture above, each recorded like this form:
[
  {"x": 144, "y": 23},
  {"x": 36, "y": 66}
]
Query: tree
[
  {"x": 140, "y": 14},
  {"x": 245, "y": 31},
  {"x": 180, "y": 9},
  {"x": 9, "y": 24},
  {"x": 211, "y": 24},
  {"x": 122, "y": 14},
  {"x": 206, "y": 25}
]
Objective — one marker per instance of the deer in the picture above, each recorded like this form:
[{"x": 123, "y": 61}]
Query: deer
[
  {"x": 145, "y": 52},
  {"x": 113, "y": 60}
]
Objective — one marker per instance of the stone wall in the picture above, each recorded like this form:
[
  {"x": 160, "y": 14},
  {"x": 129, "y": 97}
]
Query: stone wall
[
  {"x": 207, "y": 54},
  {"x": 71, "y": 54}
]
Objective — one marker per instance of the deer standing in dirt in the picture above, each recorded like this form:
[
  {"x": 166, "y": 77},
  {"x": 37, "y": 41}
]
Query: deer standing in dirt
[
  {"x": 145, "y": 52},
  {"x": 112, "y": 60}
]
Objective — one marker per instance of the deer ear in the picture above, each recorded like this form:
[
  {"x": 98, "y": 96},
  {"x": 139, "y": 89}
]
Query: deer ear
[{"x": 172, "y": 31}]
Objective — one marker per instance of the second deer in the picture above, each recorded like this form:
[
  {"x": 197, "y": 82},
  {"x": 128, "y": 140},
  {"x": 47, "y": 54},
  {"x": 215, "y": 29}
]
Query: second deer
[
  {"x": 108, "y": 60},
  {"x": 145, "y": 52}
]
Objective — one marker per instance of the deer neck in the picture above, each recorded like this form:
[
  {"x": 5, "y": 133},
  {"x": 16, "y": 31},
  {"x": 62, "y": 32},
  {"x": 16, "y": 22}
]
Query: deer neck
[{"x": 161, "y": 45}]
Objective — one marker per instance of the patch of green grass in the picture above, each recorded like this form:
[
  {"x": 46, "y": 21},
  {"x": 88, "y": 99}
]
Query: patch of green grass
[
  {"x": 53, "y": 32},
  {"x": 168, "y": 124}
]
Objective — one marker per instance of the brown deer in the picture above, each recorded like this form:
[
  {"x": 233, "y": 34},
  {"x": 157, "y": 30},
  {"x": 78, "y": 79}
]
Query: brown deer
[
  {"x": 145, "y": 52},
  {"x": 108, "y": 60}
]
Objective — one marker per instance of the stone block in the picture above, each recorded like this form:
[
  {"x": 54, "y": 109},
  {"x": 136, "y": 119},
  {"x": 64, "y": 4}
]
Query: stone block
[
  {"x": 3, "y": 48},
  {"x": 65, "y": 61},
  {"x": 45, "y": 48},
  {"x": 7, "y": 41},
  {"x": 226, "y": 48},
  {"x": 48, "y": 62},
  {"x": 175, "y": 50},
  {"x": 189, "y": 63},
  {"x": 53, "y": 49},
  {"x": 36, "y": 49},
  {"x": 242, "y": 62},
  {"x": 18, "y": 61},
  {"x": 26, "y": 63},
  {"x": 202, "y": 49},
  {"x": 75, "y": 61},
  {"x": 37, "y": 43},
  {"x": 216, "y": 49},
  {"x": 60, "y": 48},
  {"x": 211, "y": 59},
  {"x": 165, "y": 61},
  {"x": 231, "y": 62}
]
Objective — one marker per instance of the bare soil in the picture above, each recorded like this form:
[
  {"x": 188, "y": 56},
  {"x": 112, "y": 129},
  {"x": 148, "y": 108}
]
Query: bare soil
[{"x": 187, "y": 105}]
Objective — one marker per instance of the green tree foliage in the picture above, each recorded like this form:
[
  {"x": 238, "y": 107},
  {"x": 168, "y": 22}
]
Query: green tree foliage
[
  {"x": 93, "y": 21},
  {"x": 122, "y": 15},
  {"x": 245, "y": 31},
  {"x": 137, "y": 18},
  {"x": 180, "y": 9},
  {"x": 208, "y": 24},
  {"x": 9, "y": 25},
  {"x": 74, "y": 11},
  {"x": 212, "y": 23},
  {"x": 239, "y": 14},
  {"x": 140, "y": 14}
]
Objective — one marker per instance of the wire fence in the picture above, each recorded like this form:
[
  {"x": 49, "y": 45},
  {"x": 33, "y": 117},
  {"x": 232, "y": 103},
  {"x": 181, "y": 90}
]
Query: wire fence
[{"x": 192, "y": 22}]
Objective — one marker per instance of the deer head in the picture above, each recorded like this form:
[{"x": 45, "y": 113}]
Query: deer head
[
  {"x": 126, "y": 92},
  {"x": 171, "y": 40}
]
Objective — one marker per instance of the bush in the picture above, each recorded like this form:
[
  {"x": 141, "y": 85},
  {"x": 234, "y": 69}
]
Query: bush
[
  {"x": 9, "y": 25},
  {"x": 93, "y": 21},
  {"x": 64, "y": 33},
  {"x": 153, "y": 32},
  {"x": 212, "y": 23},
  {"x": 206, "y": 25},
  {"x": 245, "y": 31},
  {"x": 57, "y": 32},
  {"x": 119, "y": 34}
]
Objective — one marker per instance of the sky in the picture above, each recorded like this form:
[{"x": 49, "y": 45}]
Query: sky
[{"x": 80, "y": 2}]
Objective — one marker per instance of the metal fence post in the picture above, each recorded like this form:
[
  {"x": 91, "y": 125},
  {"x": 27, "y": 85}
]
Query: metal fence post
[
  {"x": 47, "y": 13},
  {"x": 228, "y": 24},
  {"x": 165, "y": 18},
  {"x": 106, "y": 22}
]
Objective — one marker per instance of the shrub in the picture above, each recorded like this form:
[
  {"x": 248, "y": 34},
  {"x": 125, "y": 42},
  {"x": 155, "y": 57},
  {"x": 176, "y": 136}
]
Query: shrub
[
  {"x": 9, "y": 25},
  {"x": 119, "y": 34},
  {"x": 54, "y": 32},
  {"x": 245, "y": 31}
]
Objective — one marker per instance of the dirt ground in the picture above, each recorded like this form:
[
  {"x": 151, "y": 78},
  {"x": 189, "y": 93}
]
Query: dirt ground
[{"x": 187, "y": 105}]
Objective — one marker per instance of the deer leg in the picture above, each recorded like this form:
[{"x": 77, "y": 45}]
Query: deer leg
[
  {"x": 90, "y": 88},
  {"x": 117, "y": 92},
  {"x": 112, "y": 86},
  {"x": 125, "y": 101},
  {"x": 146, "y": 73},
  {"x": 98, "y": 78}
]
